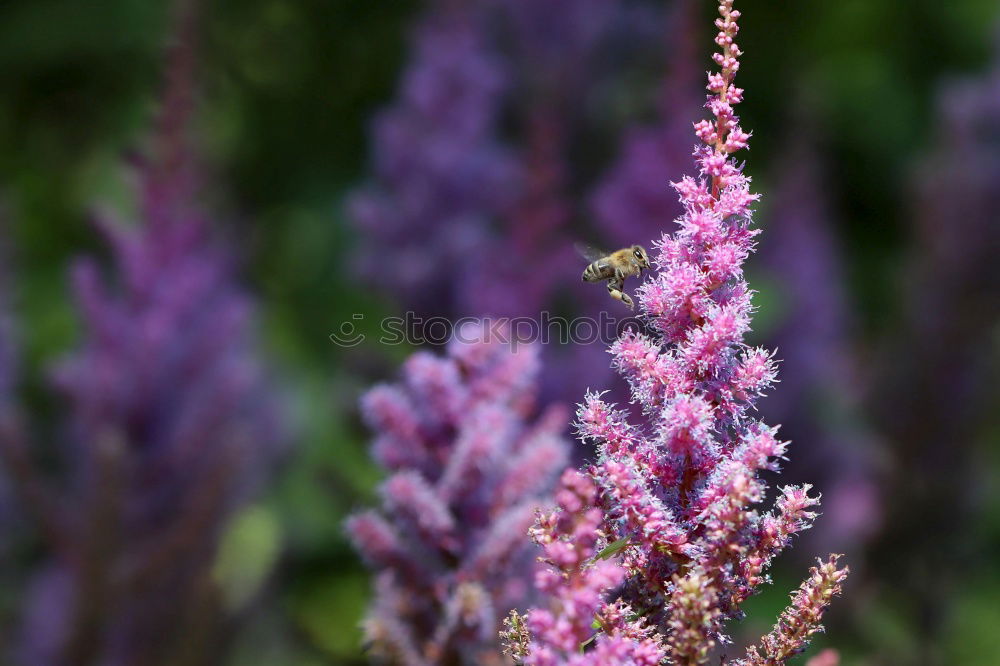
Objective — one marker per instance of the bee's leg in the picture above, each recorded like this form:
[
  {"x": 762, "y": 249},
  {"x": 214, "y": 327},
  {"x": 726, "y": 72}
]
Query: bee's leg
[{"x": 615, "y": 286}]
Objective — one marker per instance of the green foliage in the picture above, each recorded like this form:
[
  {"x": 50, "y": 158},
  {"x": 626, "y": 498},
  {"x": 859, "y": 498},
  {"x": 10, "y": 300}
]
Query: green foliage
[
  {"x": 246, "y": 556},
  {"x": 611, "y": 549}
]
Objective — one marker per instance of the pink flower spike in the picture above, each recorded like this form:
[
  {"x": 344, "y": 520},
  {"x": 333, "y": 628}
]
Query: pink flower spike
[
  {"x": 801, "y": 620},
  {"x": 681, "y": 477}
]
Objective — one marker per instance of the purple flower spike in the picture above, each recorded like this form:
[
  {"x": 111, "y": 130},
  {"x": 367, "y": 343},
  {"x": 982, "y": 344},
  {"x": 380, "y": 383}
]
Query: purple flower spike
[
  {"x": 170, "y": 426},
  {"x": 468, "y": 470},
  {"x": 441, "y": 175}
]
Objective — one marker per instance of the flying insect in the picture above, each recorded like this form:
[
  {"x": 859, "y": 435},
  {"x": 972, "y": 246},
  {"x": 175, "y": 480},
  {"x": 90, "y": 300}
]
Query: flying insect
[{"x": 614, "y": 267}]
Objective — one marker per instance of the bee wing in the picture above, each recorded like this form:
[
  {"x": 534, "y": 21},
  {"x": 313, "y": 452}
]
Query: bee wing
[{"x": 589, "y": 252}]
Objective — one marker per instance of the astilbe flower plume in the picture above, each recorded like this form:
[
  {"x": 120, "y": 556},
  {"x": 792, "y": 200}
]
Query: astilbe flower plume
[
  {"x": 168, "y": 425},
  {"x": 468, "y": 467},
  {"x": 678, "y": 494},
  {"x": 575, "y": 581}
]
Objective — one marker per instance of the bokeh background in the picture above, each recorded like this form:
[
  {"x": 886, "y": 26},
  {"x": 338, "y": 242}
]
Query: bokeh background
[{"x": 371, "y": 157}]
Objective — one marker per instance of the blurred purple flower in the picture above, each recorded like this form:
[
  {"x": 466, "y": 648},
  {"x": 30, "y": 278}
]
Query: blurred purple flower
[
  {"x": 441, "y": 177},
  {"x": 169, "y": 425},
  {"x": 553, "y": 42},
  {"x": 679, "y": 494},
  {"x": 518, "y": 272},
  {"x": 486, "y": 230},
  {"x": 467, "y": 471},
  {"x": 553, "y": 48},
  {"x": 634, "y": 199},
  {"x": 455, "y": 221},
  {"x": 828, "y": 657}
]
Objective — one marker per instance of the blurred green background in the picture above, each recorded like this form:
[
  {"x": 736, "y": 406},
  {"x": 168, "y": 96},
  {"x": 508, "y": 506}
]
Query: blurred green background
[{"x": 287, "y": 91}]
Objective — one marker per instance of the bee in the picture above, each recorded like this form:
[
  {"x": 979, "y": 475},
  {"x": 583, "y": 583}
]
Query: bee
[{"x": 614, "y": 268}]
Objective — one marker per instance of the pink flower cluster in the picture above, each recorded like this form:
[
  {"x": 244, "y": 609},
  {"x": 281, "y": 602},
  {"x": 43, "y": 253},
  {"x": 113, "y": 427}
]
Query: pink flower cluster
[
  {"x": 678, "y": 494},
  {"x": 575, "y": 583},
  {"x": 467, "y": 471},
  {"x": 801, "y": 619}
]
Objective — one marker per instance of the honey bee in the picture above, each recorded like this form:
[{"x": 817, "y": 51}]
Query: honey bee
[{"x": 614, "y": 268}]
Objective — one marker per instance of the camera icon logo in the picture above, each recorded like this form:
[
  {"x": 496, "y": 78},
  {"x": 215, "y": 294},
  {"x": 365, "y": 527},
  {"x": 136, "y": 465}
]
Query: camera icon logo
[{"x": 348, "y": 335}]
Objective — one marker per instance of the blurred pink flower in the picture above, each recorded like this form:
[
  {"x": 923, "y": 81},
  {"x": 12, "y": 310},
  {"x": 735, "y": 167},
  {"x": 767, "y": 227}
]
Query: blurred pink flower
[{"x": 828, "y": 657}]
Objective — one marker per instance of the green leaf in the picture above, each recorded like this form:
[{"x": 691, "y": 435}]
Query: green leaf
[
  {"x": 247, "y": 554},
  {"x": 612, "y": 548}
]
